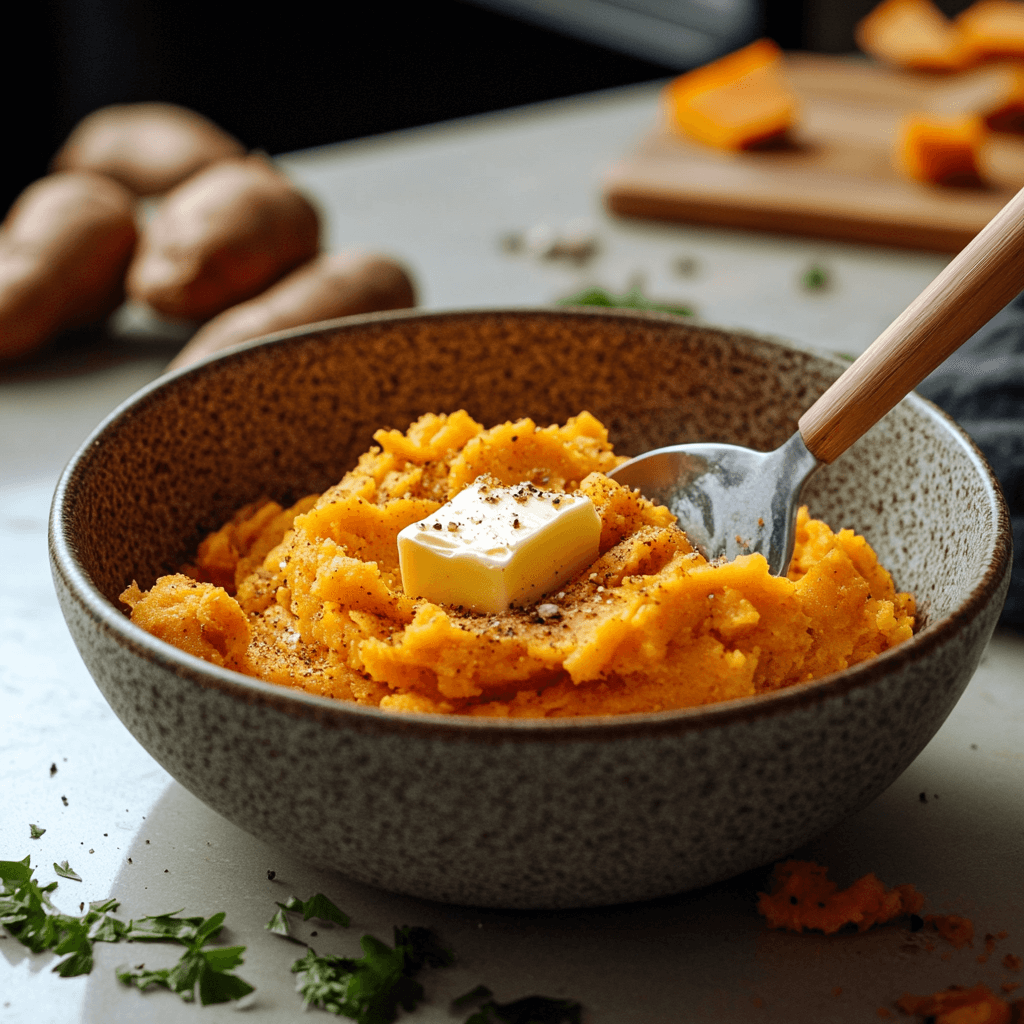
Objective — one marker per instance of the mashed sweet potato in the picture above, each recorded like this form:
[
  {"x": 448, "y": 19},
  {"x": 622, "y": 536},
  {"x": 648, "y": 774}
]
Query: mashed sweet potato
[{"x": 311, "y": 596}]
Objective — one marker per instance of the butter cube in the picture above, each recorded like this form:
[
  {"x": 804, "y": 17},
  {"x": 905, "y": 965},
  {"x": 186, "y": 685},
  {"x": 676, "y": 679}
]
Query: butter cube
[{"x": 492, "y": 546}]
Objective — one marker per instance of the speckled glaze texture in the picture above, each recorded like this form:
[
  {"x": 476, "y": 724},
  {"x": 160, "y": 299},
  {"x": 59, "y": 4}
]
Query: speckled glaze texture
[{"x": 520, "y": 814}]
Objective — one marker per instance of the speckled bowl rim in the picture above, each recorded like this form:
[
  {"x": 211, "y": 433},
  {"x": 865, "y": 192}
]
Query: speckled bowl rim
[{"x": 343, "y": 715}]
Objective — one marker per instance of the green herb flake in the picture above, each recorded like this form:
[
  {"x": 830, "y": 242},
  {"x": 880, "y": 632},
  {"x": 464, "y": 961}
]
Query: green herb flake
[
  {"x": 318, "y": 906},
  {"x": 422, "y": 949},
  {"x": 27, "y": 914},
  {"x": 105, "y": 928},
  {"x": 373, "y": 988},
  {"x": 15, "y": 871},
  {"x": 528, "y": 1010},
  {"x": 633, "y": 299},
  {"x": 207, "y": 971},
  {"x": 169, "y": 928},
  {"x": 35, "y": 832},
  {"x": 815, "y": 278},
  {"x": 278, "y": 925},
  {"x": 323, "y": 981}
]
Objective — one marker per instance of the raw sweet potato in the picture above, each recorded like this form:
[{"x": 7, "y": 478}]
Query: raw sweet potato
[
  {"x": 913, "y": 34},
  {"x": 993, "y": 29},
  {"x": 941, "y": 150},
  {"x": 221, "y": 237},
  {"x": 736, "y": 102},
  {"x": 327, "y": 287},
  {"x": 147, "y": 147},
  {"x": 64, "y": 249}
]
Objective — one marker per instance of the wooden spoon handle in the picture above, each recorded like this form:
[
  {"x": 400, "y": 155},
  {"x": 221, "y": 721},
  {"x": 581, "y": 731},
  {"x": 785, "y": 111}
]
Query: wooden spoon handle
[{"x": 979, "y": 281}]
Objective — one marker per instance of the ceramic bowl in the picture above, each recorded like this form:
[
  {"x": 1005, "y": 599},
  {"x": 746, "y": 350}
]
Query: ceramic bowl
[{"x": 520, "y": 813}]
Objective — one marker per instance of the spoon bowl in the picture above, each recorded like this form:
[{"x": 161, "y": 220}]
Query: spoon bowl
[{"x": 732, "y": 500}]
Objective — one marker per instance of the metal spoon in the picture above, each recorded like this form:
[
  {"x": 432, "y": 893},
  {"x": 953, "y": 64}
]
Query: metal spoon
[{"x": 733, "y": 501}]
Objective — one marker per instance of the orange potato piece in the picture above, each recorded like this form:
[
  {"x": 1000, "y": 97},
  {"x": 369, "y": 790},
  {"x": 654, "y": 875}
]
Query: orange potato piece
[
  {"x": 993, "y": 29},
  {"x": 147, "y": 147},
  {"x": 803, "y": 896},
  {"x": 941, "y": 150},
  {"x": 221, "y": 237},
  {"x": 206, "y": 621},
  {"x": 64, "y": 248},
  {"x": 957, "y": 931},
  {"x": 958, "y": 1005},
  {"x": 912, "y": 34},
  {"x": 737, "y": 102}
]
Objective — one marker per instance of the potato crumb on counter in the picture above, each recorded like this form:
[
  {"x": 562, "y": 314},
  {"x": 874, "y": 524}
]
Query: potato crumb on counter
[
  {"x": 803, "y": 897},
  {"x": 957, "y": 931},
  {"x": 311, "y": 596},
  {"x": 957, "y": 1005}
]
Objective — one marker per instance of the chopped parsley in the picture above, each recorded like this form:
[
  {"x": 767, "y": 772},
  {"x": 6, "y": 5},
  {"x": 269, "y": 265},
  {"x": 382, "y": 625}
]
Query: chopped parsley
[
  {"x": 35, "y": 831},
  {"x": 28, "y": 914},
  {"x": 318, "y": 906},
  {"x": 422, "y": 948},
  {"x": 170, "y": 928},
  {"x": 528, "y": 1010},
  {"x": 66, "y": 871},
  {"x": 815, "y": 278},
  {"x": 207, "y": 971},
  {"x": 633, "y": 299},
  {"x": 372, "y": 988}
]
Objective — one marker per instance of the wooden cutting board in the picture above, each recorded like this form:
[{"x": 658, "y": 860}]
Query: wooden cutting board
[{"x": 835, "y": 180}]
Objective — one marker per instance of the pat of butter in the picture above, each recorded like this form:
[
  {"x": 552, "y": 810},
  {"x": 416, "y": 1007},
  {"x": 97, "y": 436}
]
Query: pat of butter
[{"x": 491, "y": 546}]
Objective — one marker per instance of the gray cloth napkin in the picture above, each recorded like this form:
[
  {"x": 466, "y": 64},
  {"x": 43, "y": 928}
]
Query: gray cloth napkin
[{"x": 982, "y": 387}]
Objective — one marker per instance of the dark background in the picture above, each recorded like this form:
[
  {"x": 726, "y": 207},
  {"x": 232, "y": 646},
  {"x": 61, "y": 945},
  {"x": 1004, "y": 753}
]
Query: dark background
[{"x": 306, "y": 75}]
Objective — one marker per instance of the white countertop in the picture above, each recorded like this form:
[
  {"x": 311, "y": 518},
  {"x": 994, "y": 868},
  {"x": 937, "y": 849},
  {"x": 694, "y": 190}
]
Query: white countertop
[{"x": 442, "y": 198}]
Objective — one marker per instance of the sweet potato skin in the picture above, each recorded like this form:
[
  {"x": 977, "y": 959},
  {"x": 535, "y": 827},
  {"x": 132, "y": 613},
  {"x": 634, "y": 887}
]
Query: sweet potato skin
[
  {"x": 221, "y": 237},
  {"x": 64, "y": 248},
  {"x": 147, "y": 147},
  {"x": 993, "y": 30},
  {"x": 329, "y": 286}
]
